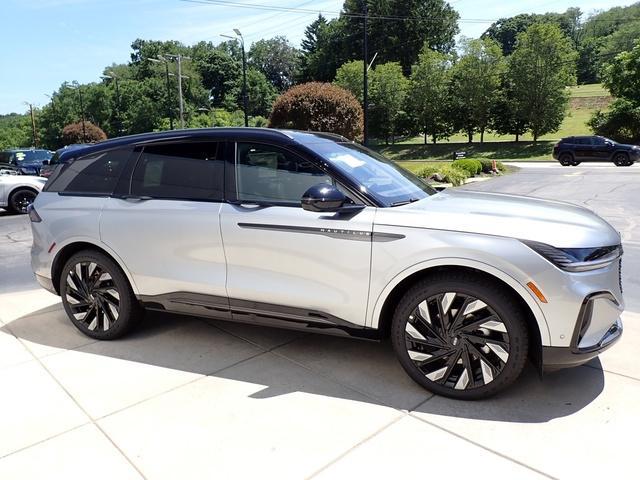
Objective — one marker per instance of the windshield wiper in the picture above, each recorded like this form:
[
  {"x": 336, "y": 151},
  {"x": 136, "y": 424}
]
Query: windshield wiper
[{"x": 404, "y": 202}]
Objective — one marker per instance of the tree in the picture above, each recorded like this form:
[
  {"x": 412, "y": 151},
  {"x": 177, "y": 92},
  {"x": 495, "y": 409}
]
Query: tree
[
  {"x": 77, "y": 133},
  {"x": 540, "y": 68},
  {"x": 475, "y": 81},
  {"x": 221, "y": 76},
  {"x": 428, "y": 94},
  {"x": 389, "y": 89},
  {"x": 321, "y": 107},
  {"x": 277, "y": 59},
  {"x": 260, "y": 92},
  {"x": 15, "y": 130},
  {"x": 622, "y": 77},
  {"x": 321, "y": 50},
  {"x": 398, "y": 29},
  {"x": 507, "y": 114},
  {"x": 350, "y": 77}
]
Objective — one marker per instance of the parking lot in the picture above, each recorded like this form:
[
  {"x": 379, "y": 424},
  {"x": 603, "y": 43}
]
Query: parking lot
[{"x": 187, "y": 398}]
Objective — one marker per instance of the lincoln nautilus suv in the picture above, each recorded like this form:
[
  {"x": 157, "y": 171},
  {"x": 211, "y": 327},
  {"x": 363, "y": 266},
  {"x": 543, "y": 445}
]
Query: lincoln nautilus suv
[{"x": 311, "y": 231}]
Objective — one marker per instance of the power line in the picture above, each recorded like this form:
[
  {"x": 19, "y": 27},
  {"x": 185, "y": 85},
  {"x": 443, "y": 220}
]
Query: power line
[{"x": 254, "y": 6}]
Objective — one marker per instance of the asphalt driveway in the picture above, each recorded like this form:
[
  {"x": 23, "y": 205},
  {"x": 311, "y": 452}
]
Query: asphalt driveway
[{"x": 185, "y": 398}]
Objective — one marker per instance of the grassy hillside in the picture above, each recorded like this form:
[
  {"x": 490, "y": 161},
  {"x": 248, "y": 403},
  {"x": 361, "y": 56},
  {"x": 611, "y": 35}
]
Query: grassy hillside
[{"x": 584, "y": 101}]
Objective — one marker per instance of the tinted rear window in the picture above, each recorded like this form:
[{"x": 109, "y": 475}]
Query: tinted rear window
[
  {"x": 95, "y": 174},
  {"x": 184, "y": 171}
]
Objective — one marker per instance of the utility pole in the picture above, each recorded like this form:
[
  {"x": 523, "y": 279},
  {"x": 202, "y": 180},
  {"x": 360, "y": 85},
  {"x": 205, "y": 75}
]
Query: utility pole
[
  {"x": 179, "y": 57},
  {"x": 365, "y": 87},
  {"x": 76, "y": 86},
  {"x": 33, "y": 124}
]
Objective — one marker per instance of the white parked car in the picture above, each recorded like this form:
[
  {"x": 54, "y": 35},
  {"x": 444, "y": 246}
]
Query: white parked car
[
  {"x": 311, "y": 231},
  {"x": 17, "y": 192}
]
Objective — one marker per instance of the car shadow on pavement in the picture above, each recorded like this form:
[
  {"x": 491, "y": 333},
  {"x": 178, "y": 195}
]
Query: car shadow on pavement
[{"x": 284, "y": 362}]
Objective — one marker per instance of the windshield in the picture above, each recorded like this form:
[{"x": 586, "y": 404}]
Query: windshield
[
  {"x": 377, "y": 176},
  {"x": 32, "y": 155}
]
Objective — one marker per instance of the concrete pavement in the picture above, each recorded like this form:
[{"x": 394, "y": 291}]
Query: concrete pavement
[{"x": 185, "y": 398}]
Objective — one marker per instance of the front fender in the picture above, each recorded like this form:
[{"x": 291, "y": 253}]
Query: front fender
[{"x": 374, "y": 318}]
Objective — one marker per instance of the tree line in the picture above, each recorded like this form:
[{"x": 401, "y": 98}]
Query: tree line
[{"x": 420, "y": 80}]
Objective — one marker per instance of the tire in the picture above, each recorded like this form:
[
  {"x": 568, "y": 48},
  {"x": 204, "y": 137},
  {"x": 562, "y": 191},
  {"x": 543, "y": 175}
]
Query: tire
[
  {"x": 575, "y": 163},
  {"x": 20, "y": 199},
  {"x": 481, "y": 353},
  {"x": 98, "y": 297},
  {"x": 622, "y": 160},
  {"x": 566, "y": 159}
]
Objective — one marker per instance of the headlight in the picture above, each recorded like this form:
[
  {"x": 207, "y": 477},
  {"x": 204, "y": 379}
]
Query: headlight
[{"x": 577, "y": 259}]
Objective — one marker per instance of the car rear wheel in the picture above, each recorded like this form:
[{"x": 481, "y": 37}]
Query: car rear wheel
[
  {"x": 97, "y": 296},
  {"x": 566, "y": 159},
  {"x": 460, "y": 336},
  {"x": 622, "y": 160},
  {"x": 21, "y": 199}
]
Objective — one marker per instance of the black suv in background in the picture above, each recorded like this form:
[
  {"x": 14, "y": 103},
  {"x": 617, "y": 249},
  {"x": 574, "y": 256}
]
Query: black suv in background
[
  {"x": 28, "y": 161},
  {"x": 575, "y": 150}
]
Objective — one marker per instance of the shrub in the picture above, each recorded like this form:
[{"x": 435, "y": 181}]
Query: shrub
[
  {"x": 427, "y": 171},
  {"x": 454, "y": 175},
  {"x": 321, "y": 107},
  {"x": 487, "y": 165},
  {"x": 73, "y": 133},
  {"x": 473, "y": 167}
]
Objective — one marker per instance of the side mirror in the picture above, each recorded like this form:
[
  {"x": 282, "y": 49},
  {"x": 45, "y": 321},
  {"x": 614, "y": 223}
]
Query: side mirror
[{"x": 323, "y": 198}]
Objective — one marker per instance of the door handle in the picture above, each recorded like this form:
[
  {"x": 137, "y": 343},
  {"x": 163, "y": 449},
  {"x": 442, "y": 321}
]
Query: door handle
[{"x": 135, "y": 198}]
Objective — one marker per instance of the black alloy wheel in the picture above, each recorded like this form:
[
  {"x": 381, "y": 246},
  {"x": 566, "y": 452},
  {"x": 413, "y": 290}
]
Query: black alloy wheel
[
  {"x": 97, "y": 296},
  {"x": 622, "y": 160},
  {"x": 457, "y": 343},
  {"x": 566, "y": 159},
  {"x": 21, "y": 199}
]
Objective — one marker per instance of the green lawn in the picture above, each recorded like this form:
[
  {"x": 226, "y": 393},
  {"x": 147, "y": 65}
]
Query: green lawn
[
  {"x": 528, "y": 151},
  {"x": 592, "y": 90}
]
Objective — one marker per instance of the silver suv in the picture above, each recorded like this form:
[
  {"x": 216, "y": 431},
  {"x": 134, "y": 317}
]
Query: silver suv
[{"x": 311, "y": 231}]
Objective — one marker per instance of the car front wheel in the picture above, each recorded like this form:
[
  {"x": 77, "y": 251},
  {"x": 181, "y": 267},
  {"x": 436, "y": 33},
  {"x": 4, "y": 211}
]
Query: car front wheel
[
  {"x": 566, "y": 159},
  {"x": 21, "y": 199},
  {"x": 622, "y": 160},
  {"x": 460, "y": 336},
  {"x": 97, "y": 296}
]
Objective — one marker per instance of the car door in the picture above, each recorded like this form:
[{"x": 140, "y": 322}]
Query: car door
[
  {"x": 602, "y": 149},
  {"x": 165, "y": 226},
  {"x": 582, "y": 149},
  {"x": 286, "y": 264}
]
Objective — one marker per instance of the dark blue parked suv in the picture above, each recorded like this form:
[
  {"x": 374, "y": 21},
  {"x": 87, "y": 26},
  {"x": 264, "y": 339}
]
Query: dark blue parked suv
[
  {"x": 27, "y": 161},
  {"x": 575, "y": 150}
]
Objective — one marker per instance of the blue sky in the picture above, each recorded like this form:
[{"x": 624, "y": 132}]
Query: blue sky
[{"x": 45, "y": 42}]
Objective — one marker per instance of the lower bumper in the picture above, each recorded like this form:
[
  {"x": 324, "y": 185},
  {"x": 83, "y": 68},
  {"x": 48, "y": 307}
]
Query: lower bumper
[
  {"x": 46, "y": 283},
  {"x": 555, "y": 358}
]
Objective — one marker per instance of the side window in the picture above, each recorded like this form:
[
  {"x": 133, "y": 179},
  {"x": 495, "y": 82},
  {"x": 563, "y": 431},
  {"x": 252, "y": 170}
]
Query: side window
[
  {"x": 95, "y": 174},
  {"x": 597, "y": 141},
  {"x": 180, "y": 171},
  {"x": 266, "y": 173}
]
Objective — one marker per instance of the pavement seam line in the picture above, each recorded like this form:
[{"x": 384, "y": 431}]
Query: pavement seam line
[
  {"x": 44, "y": 440},
  {"x": 354, "y": 447},
  {"x": 92, "y": 420},
  {"x": 586, "y": 365},
  {"x": 472, "y": 442},
  {"x": 177, "y": 387}
]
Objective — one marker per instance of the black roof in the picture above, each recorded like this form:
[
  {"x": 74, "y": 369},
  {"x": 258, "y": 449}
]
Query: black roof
[{"x": 228, "y": 133}]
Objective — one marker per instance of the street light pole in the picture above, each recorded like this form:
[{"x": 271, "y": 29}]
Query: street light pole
[
  {"x": 110, "y": 74},
  {"x": 161, "y": 59},
  {"x": 245, "y": 98},
  {"x": 365, "y": 87}
]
